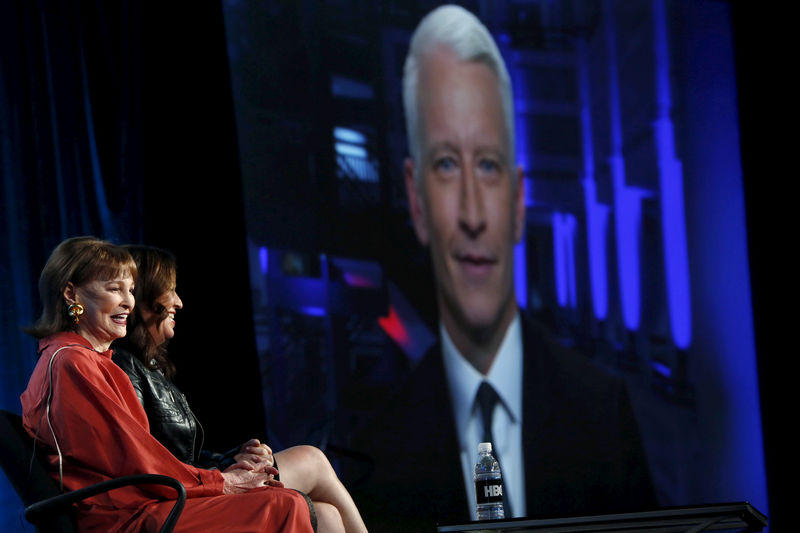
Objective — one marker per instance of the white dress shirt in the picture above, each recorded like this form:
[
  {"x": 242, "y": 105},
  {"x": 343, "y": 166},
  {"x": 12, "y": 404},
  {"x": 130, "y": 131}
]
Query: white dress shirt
[{"x": 505, "y": 375}]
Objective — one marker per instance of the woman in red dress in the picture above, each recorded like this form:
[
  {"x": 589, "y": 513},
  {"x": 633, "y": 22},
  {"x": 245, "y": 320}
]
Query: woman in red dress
[{"x": 84, "y": 410}]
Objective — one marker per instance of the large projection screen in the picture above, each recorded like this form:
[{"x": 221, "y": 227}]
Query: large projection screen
[{"x": 635, "y": 249}]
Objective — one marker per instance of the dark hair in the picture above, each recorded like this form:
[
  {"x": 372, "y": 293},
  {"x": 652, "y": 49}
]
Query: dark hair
[
  {"x": 157, "y": 270},
  {"x": 77, "y": 260}
]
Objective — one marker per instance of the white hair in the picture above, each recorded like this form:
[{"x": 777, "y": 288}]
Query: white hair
[{"x": 465, "y": 35}]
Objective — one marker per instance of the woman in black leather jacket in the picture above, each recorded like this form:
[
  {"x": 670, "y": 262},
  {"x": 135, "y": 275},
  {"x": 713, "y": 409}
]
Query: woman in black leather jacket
[{"x": 142, "y": 355}]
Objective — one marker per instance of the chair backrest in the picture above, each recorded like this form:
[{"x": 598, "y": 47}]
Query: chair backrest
[{"x": 26, "y": 471}]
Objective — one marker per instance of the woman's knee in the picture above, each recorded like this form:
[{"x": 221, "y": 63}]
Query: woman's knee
[
  {"x": 321, "y": 458},
  {"x": 304, "y": 467},
  {"x": 314, "y": 458}
]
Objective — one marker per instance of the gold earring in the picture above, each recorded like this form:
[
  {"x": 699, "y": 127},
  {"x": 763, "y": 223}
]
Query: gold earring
[{"x": 75, "y": 311}]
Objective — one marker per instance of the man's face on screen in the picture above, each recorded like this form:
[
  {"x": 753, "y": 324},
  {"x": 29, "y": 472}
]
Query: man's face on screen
[{"x": 466, "y": 207}]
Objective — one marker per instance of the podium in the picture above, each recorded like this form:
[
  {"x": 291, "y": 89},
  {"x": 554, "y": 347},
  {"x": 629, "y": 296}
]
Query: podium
[{"x": 737, "y": 516}]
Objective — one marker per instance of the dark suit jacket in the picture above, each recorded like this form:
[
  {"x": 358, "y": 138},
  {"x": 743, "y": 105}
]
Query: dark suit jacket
[{"x": 581, "y": 445}]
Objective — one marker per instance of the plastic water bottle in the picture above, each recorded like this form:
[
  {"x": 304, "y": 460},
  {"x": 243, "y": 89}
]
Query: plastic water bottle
[{"x": 488, "y": 484}]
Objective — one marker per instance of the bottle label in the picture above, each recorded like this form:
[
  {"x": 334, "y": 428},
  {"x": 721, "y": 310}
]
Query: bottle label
[{"x": 489, "y": 491}]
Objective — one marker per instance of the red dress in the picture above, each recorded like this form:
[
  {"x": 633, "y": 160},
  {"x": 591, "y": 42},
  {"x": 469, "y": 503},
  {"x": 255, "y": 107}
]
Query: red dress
[{"x": 103, "y": 433}]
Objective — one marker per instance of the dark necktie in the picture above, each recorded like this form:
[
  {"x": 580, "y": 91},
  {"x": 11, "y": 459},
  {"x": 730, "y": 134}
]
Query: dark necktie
[{"x": 487, "y": 398}]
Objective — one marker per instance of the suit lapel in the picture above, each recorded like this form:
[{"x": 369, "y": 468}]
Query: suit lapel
[{"x": 452, "y": 506}]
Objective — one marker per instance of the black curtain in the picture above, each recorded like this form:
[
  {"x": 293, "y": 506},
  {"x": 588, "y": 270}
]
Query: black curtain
[
  {"x": 69, "y": 155},
  {"x": 116, "y": 120},
  {"x": 69, "y": 146}
]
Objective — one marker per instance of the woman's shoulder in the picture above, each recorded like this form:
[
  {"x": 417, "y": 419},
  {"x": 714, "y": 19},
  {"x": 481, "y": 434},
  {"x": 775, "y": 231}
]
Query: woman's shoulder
[
  {"x": 67, "y": 345},
  {"x": 68, "y": 354},
  {"x": 127, "y": 360},
  {"x": 63, "y": 339}
]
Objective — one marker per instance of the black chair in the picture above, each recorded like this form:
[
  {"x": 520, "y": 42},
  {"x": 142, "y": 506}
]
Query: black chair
[{"x": 46, "y": 506}]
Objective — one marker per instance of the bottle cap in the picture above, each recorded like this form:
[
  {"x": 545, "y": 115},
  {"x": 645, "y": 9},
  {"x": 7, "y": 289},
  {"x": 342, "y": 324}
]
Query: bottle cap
[{"x": 484, "y": 447}]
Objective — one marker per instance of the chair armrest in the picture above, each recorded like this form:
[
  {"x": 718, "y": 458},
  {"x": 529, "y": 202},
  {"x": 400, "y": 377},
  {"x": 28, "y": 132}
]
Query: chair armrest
[{"x": 39, "y": 511}]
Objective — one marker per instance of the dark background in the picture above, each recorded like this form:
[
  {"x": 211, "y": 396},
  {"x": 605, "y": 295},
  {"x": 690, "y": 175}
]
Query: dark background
[{"x": 166, "y": 157}]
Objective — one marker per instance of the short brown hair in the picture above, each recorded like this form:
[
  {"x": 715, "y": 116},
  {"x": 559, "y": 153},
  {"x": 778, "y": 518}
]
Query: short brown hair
[{"x": 78, "y": 260}]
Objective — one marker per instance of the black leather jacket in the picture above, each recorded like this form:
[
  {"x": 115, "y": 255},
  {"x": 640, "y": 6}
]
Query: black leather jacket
[{"x": 172, "y": 422}]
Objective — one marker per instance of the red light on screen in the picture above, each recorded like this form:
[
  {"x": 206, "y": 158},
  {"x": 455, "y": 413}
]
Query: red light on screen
[{"x": 394, "y": 327}]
